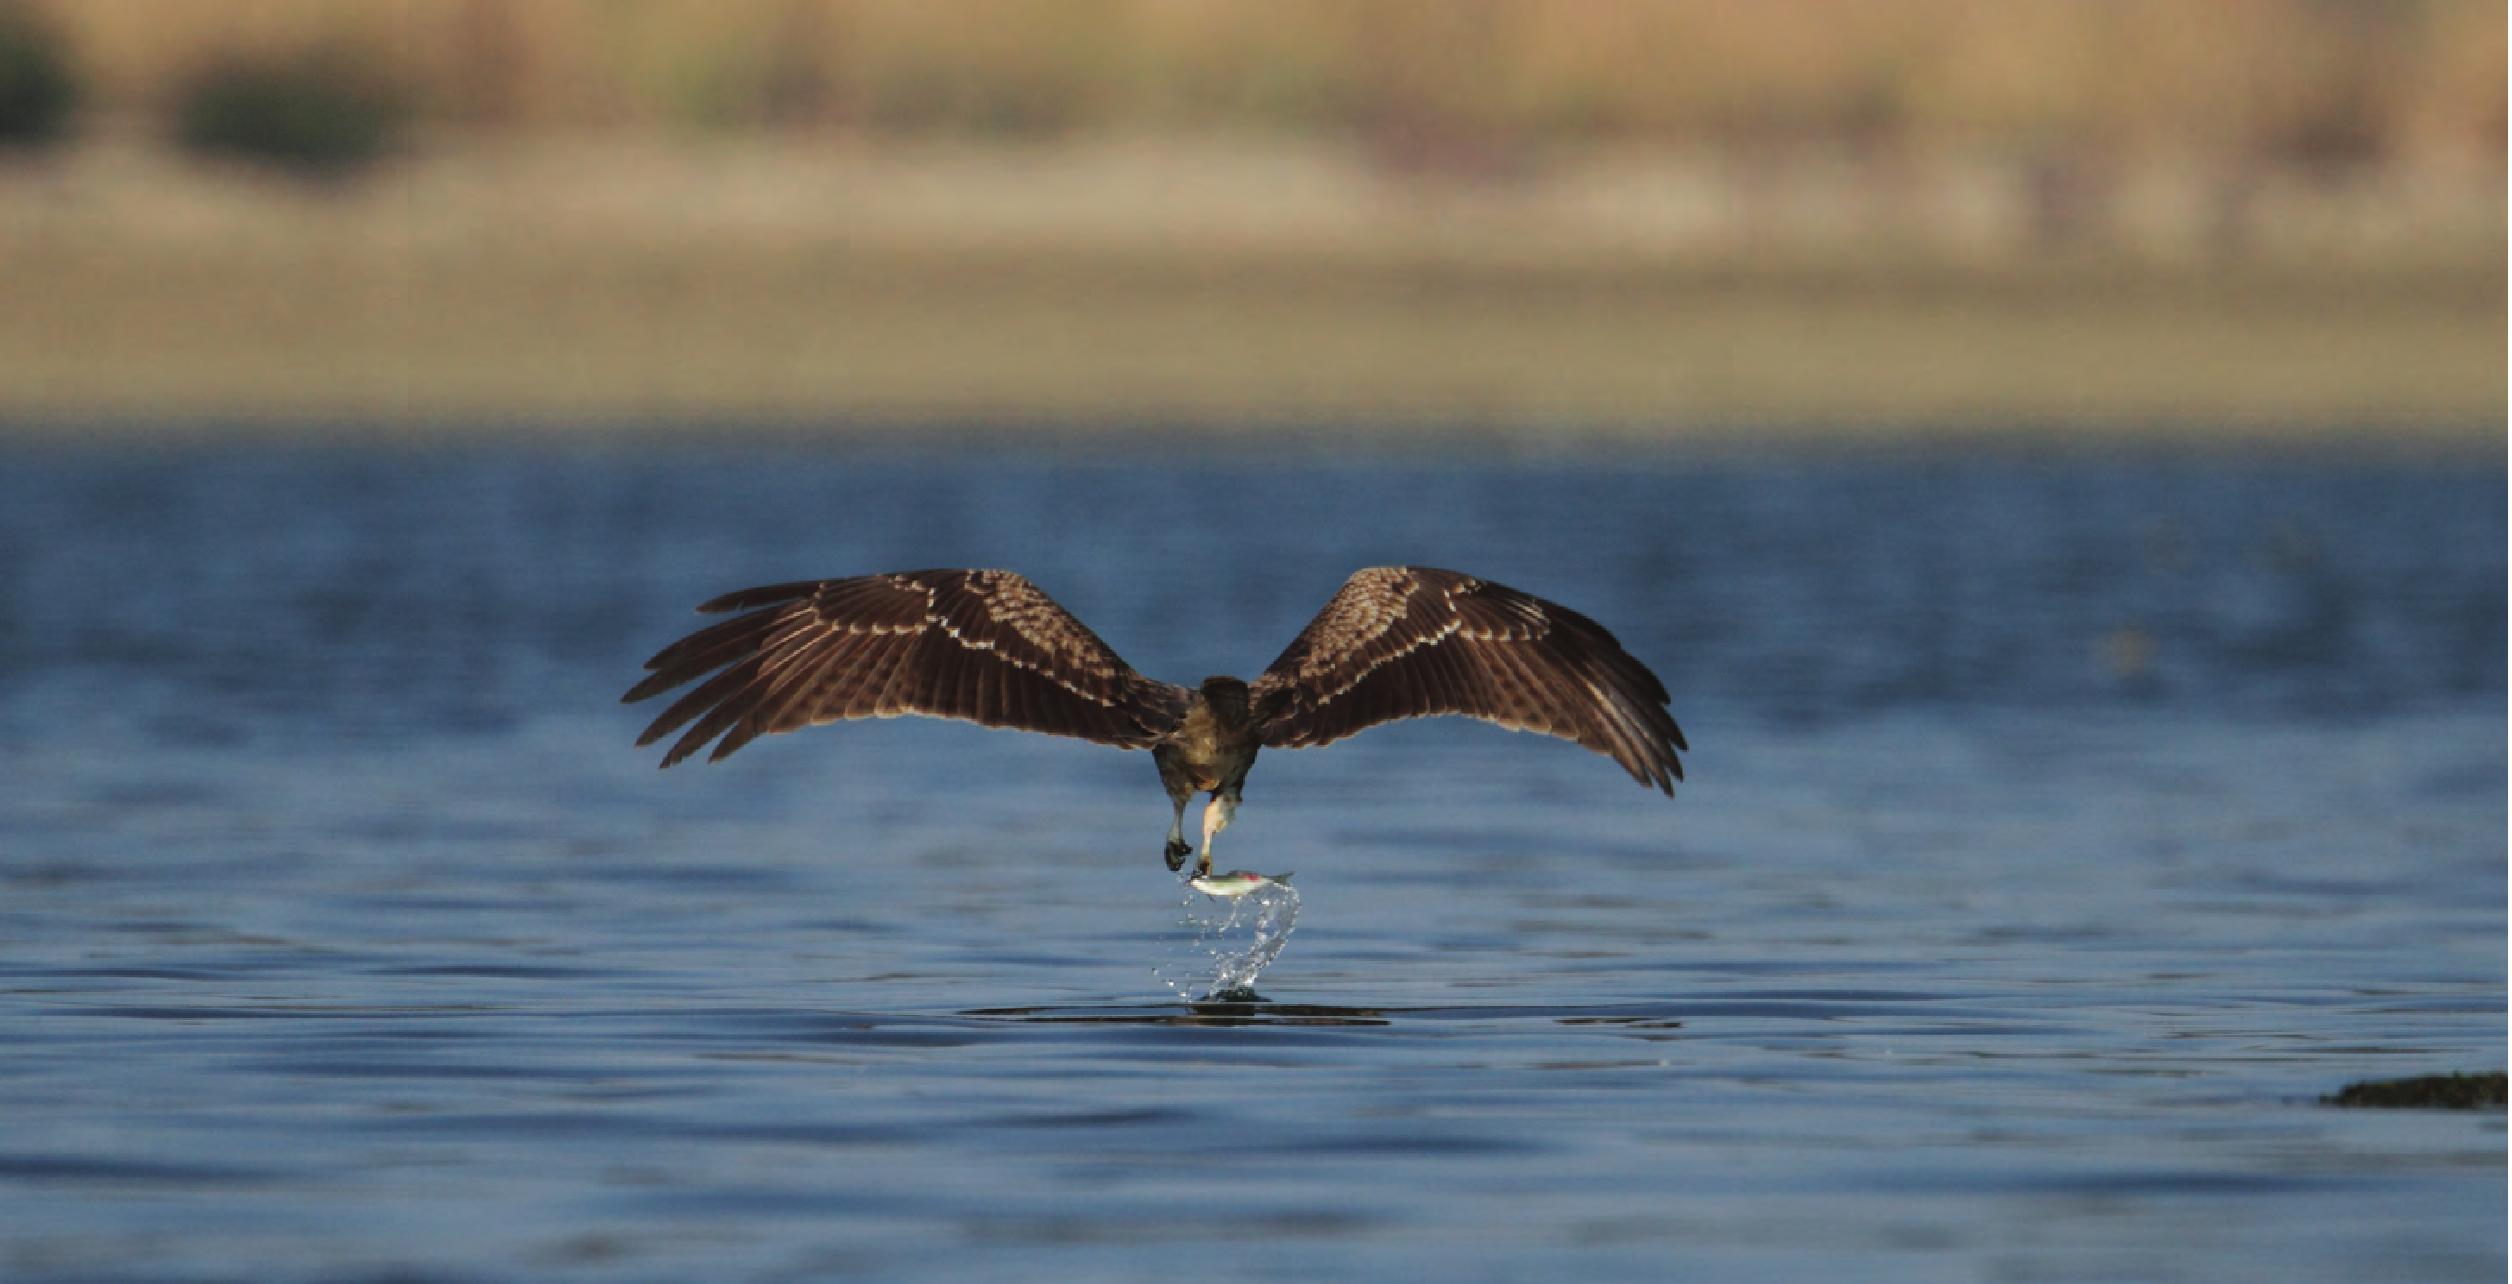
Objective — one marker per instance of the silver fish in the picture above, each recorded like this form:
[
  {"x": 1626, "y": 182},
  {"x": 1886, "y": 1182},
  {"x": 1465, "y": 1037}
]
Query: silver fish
[{"x": 1238, "y": 882}]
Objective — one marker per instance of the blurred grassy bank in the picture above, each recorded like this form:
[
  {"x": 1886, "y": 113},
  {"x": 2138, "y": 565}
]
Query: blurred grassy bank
[
  {"x": 1144, "y": 283},
  {"x": 2268, "y": 218}
]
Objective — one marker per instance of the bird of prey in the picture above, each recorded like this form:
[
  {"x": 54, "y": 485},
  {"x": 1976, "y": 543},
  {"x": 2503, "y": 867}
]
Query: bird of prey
[{"x": 988, "y": 647}]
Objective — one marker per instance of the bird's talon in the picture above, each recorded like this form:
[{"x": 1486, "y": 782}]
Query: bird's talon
[{"x": 1176, "y": 855}]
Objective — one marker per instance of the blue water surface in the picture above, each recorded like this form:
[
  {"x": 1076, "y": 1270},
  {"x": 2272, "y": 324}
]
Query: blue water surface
[{"x": 2060, "y": 829}]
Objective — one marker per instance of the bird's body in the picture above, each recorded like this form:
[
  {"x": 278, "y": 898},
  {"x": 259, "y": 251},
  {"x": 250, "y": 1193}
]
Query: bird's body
[
  {"x": 1215, "y": 742},
  {"x": 989, "y": 647},
  {"x": 1214, "y": 745}
]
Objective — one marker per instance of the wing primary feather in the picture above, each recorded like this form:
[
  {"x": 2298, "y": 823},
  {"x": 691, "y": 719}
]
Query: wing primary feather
[
  {"x": 837, "y": 677},
  {"x": 723, "y": 715},
  {"x": 1594, "y": 706},
  {"x": 788, "y": 677},
  {"x": 1638, "y": 754},
  {"x": 679, "y": 673},
  {"x": 700, "y": 699},
  {"x": 740, "y": 631},
  {"x": 1649, "y": 751},
  {"x": 762, "y": 706},
  {"x": 1638, "y": 699},
  {"x": 743, "y": 732},
  {"x": 764, "y": 595}
]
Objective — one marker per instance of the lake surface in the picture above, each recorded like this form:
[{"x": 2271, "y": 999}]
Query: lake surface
[{"x": 2059, "y": 830}]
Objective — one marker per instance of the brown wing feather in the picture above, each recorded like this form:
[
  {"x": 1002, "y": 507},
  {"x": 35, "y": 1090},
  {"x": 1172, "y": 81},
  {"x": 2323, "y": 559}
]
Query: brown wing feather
[
  {"x": 1412, "y": 642},
  {"x": 981, "y": 646}
]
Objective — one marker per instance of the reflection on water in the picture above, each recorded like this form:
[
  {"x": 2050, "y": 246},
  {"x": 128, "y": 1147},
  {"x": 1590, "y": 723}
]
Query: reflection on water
[
  {"x": 2060, "y": 831},
  {"x": 1200, "y": 1012}
]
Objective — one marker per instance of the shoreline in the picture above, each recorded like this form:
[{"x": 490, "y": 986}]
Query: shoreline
[
  {"x": 639, "y": 287},
  {"x": 2476, "y": 442}
]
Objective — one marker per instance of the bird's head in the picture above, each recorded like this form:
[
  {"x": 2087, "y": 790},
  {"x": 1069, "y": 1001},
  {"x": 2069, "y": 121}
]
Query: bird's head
[{"x": 1226, "y": 696}]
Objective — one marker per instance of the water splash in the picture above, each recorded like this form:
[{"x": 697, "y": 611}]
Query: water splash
[{"x": 1217, "y": 967}]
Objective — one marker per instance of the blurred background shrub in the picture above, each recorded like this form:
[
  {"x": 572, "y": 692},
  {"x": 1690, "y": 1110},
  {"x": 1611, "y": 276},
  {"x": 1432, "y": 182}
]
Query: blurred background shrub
[
  {"x": 2314, "y": 79},
  {"x": 320, "y": 113},
  {"x": 39, "y": 89}
]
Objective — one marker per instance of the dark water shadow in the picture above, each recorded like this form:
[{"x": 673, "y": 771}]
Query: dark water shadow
[
  {"x": 1261, "y": 1011},
  {"x": 1223, "y": 1012}
]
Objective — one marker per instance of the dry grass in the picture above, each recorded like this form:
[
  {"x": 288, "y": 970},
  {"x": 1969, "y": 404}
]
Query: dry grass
[{"x": 739, "y": 335}]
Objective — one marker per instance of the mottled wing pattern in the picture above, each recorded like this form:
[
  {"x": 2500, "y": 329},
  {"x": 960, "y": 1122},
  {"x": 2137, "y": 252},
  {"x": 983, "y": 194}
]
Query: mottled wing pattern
[
  {"x": 1412, "y": 642},
  {"x": 981, "y": 646}
]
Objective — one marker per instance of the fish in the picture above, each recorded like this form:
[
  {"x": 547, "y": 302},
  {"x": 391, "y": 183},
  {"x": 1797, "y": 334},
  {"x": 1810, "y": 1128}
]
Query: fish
[{"x": 1238, "y": 882}]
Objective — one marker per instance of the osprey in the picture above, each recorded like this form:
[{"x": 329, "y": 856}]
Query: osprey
[{"x": 988, "y": 647}]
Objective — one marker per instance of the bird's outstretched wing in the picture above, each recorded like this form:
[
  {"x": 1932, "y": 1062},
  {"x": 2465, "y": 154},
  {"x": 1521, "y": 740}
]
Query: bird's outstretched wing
[
  {"x": 981, "y": 646},
  {"x": 1412, "y": 642}
]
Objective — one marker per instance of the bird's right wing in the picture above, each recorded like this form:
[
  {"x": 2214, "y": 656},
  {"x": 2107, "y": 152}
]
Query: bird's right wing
[
  {"x": 980, "y": 646},
  {"x": 1415, "y": 642}
]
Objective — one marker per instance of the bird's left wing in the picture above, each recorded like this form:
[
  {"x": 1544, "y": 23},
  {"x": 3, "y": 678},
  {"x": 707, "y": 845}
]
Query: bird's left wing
[
  {"x": 1413, "y": 642},
  {"x": 980, "y": 646}
]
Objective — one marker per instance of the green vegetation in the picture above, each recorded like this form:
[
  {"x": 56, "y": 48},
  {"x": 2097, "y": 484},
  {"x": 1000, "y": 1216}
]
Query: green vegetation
[
  {"x": 39, "y": 92},
  {"x": 316, "y": 114}
]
